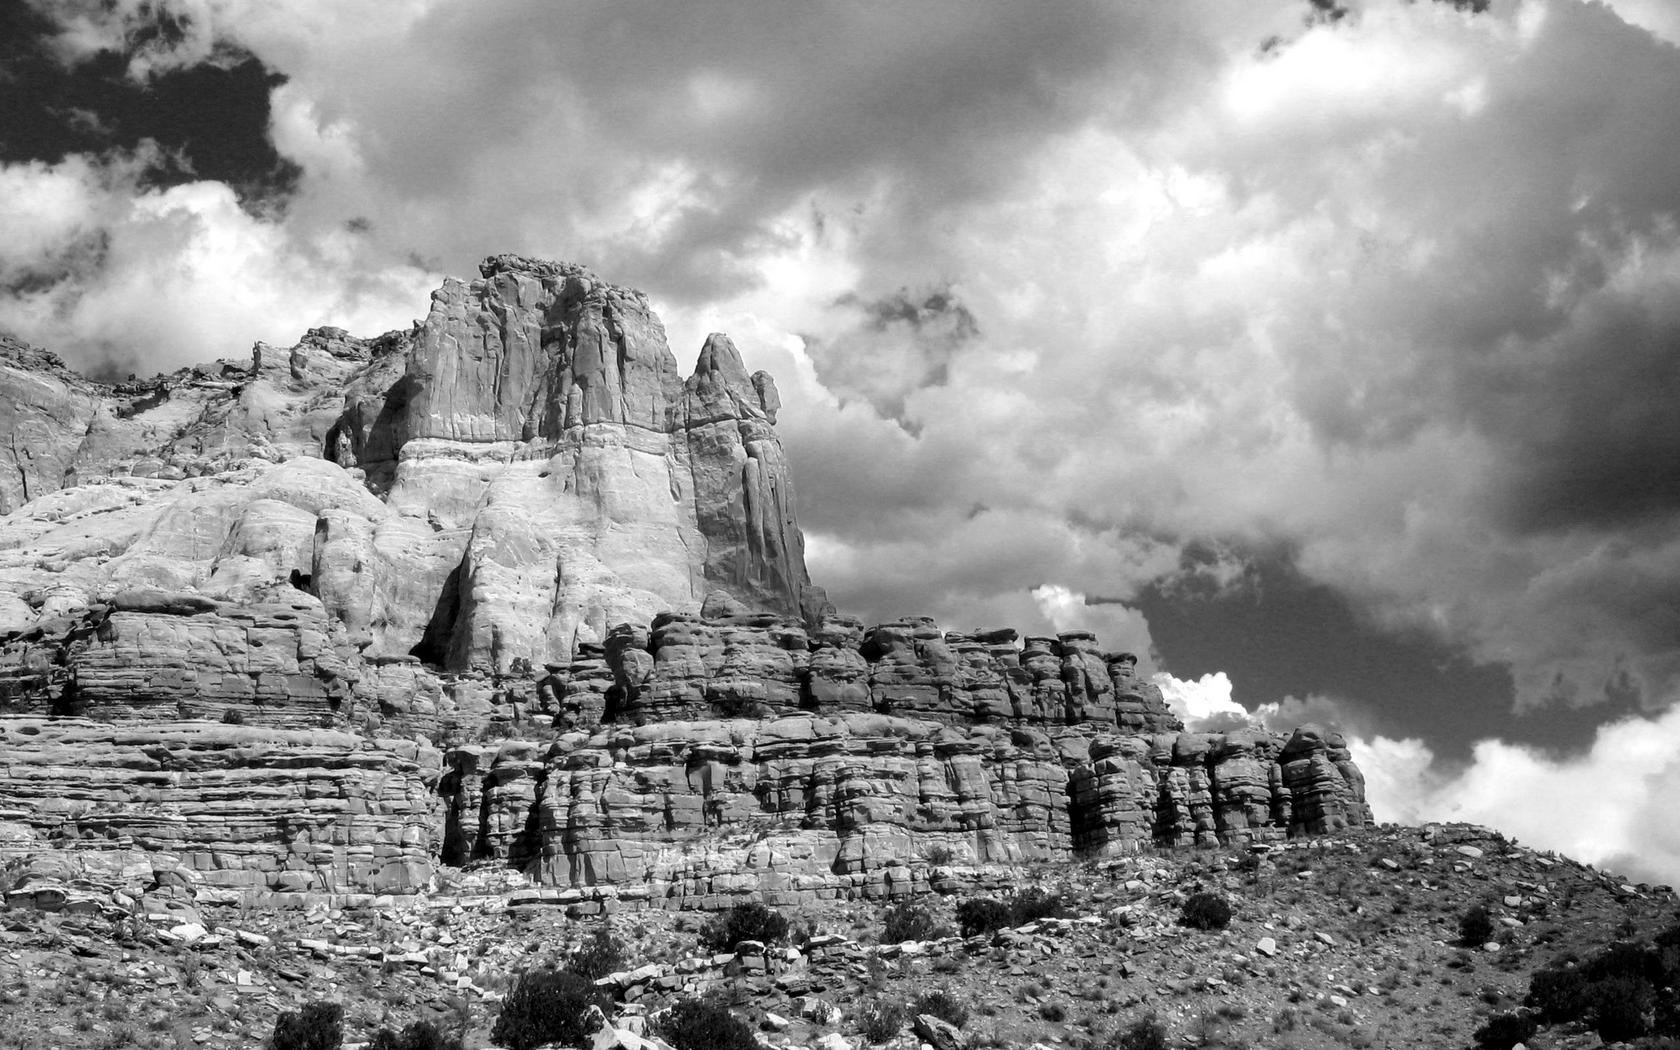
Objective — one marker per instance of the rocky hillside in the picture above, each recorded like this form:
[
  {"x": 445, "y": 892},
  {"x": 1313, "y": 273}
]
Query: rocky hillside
[{"x": 1353, "y": 940}]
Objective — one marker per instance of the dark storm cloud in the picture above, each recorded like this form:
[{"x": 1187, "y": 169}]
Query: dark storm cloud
[
  {"x": 207, "y": 122},
  {"x": 1590, "y": 421}
]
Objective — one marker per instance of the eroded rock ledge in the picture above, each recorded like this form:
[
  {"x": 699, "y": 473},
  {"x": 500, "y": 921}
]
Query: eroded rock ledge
[{"x": 694, "y": 813}]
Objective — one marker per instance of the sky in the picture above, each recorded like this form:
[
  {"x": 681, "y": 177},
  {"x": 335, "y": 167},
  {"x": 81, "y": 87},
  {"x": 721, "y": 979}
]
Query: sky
[{"x": 1325, "y": 354}]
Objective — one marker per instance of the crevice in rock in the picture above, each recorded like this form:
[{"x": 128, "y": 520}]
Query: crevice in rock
[{"x": 433, "y": 647}]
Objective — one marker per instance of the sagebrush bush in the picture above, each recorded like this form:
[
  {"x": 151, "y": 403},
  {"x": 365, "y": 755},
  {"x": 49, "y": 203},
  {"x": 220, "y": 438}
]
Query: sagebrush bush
[
  {"x": 1146, "y": 1033},
  {"x": 598, "y": 956},
  {"x": 1557, "y": 995},
  {"x": 1619, "y": 1004},
  {"x": 940, "y": 854},
  {"x": 1475, "y": 926},
  {"x": 880, "y": 1019},
  {"x": 744, "y": 922},
  {"x": 911, "y": 922},
  {"x": 1503, "y": 1031},
  {"x": 421, "y": 1035},
  {"x": 705, "y": 1024},
  {"x": 1031, "y": 905},
  {"x": 547, "y": 1006},
  {"x": 316, "y": 1026},
  {"x": 1205, "y": 911},
  {"x": 981, "y": 915},
  {"x": 941, "y": 1003}
]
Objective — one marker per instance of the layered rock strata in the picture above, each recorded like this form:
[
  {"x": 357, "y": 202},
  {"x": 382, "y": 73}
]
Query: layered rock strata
[
  {"x": 241, "y": 808},
  {"x": 761, "y": 666},
  {"x": 692, "y": 813}
]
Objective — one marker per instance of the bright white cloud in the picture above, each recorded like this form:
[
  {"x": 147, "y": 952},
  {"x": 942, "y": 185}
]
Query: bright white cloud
[
  {"x": 1611, "y": 805},
  {"x": 168, "y": 277},
  {"x": 1202, "y": 703}
]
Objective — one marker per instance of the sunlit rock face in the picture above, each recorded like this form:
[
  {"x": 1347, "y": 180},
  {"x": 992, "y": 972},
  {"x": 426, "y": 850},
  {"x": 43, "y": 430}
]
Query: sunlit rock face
[
  {"x": 507, "y": 588},
  {"x": 521, "y": 471}
]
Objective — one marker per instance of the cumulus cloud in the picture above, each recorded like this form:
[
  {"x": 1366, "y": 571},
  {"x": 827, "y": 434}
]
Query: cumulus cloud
[
  {"x": 127, "y": 279},
  {"x": 1205, "y": 704},
  {"x": 1611, "y": 805}
]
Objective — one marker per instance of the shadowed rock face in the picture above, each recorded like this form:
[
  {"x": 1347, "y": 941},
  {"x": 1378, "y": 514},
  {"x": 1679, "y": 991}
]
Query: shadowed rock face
[{"x": 228, "y": 594}]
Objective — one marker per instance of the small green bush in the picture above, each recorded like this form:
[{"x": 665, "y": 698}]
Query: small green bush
[
  {"x": 744, "y": 922},
  {"x": 317, "y": 1026},
  {"x": 546, "y": 1006},
  {"x": 911, "y": 922},
  {"x": 1557, "y": 995},
  {"x": 1475, "y": 926},
  {"x": 941, "y": 1003},
  {"x": 1034, "y": 904},
  {"x": 940, "y": 854},
  {"x": 421, "y": 1035},
  {"x": 600, "y": 955},
  {"x": 880, "y": 1019},
  {"x": 981, "y": 915},
  {"x": 1503, "y": 1031},
  {"x": 1205, "y": 911},
  {"x": 1618, "y": 1007},
  {"x": 705, "y": 1024},
  {"x": 1146, "y": 1033}
]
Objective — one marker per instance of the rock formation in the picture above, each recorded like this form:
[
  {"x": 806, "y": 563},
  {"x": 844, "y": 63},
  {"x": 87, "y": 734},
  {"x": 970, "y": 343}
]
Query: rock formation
[
  {"x": 856, "y": 804},
  {"x": 234, "y": 598}
]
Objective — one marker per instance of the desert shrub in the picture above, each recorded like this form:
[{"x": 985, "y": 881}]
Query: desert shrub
[
  {"x": 317, "y": 1026},
  {"x": 1503, "y": 1031},
  {"x": 1475, "y": 926},
  {"x": 1031, "y": 905},
  {"x": 1145, "y": 1033},
  {"x": 941, "y": 1003},
  {"x": 600, "y": 955},
  {"x": 705, "y": 1024},
  {"x": 233, "y": 716},
  {"x": 1618, "y": 1007},
  {"x": 940, "y": 854},
  {"x": 1638, "y": 961},
  {"x": 911, "y": 922},
  {"x": 879, "y": 1020},
  {"x": 744, "y": 922},
  {"x": 982, "y": 915},
  {"x": 1205, "y": 911},
  {"x": 421, "y": 1035},
  {"x": 1055, "y": 1013},
  {"x": 1557, "y": 995},
  {"x": 546, "y": 1006}
]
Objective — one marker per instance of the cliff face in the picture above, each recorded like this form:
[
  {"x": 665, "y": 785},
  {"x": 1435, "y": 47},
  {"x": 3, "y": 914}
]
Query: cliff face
[
  {"x": 513, "y": 520},
  {"x": 523, "y": 469}
]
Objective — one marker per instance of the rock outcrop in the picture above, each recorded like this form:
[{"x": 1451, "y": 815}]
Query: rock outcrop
[
  {"x": 522, "y": 470},
  {"x": 691, "y": 813},
  {"x": 239, "y": 808}
]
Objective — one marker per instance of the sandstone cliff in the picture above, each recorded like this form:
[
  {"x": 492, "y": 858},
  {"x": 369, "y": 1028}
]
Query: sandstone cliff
[
  {"x": 234, "y": 599},
  {"x": 523, "y": 469}
]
